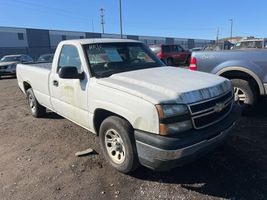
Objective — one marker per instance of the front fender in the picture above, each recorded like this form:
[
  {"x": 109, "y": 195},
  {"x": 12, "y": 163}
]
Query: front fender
[
  {"x": 141, "y": 117},
  {"x": 141, "y": 114}
]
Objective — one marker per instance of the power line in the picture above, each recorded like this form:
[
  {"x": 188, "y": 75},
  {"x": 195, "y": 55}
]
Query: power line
[{"x": 47, "y": 8}]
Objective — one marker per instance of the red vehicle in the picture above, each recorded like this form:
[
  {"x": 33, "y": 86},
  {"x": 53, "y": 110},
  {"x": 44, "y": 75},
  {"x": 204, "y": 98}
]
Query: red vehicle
[{"x": 171, "y": 54}]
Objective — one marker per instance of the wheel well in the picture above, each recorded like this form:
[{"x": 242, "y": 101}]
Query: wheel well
[
  {"x": 26, "y": 86},
  {"x": 242, "y": 75},
  {"x": 100, "y": 115}
]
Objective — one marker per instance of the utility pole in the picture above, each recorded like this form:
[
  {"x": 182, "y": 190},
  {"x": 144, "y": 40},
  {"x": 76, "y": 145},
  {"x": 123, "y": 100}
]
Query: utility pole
[
  {"x": 231, "y": 33},
  {"x": 120, "y": 18},
  {"x": 102, "y": 19},
  {"x": 217, "y": 36}
]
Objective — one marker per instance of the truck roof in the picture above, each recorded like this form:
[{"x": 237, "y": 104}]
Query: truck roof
[{"x": 97, "y": 40}]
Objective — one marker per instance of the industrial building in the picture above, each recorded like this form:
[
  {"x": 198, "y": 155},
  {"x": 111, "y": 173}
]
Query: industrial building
[{"x": 41, "y": 41}]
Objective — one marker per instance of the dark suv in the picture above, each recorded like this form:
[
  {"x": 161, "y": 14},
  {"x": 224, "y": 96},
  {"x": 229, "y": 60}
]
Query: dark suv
[{"x": 171, "y": 54}]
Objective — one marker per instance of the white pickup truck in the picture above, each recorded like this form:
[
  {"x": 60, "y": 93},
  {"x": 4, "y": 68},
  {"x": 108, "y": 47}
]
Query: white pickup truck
[{"x": 143, "y": 111}]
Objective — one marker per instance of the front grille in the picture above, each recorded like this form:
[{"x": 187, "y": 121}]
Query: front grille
[
  {"x": 212, "y": 111},
  {"x": 3, "y": 67},
  {"x": 211, "y": 117},
  {"x": 199, "y": 107}
]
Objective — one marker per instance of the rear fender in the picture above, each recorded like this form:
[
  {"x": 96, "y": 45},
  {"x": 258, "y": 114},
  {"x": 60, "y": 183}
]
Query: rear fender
[{"x": 250, "y": 68}]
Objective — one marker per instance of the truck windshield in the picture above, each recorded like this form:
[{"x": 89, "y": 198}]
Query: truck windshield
[
  {"x": 110, "y": 58},
  {"x": 248, "y": 44}
]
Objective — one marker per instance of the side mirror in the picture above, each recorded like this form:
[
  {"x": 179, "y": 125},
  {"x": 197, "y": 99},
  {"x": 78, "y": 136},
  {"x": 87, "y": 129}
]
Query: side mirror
[{"x": 70, "y": 73}]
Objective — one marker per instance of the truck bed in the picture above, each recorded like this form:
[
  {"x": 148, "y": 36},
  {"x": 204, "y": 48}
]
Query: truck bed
[
  {"x": 44, "y": 65},
  {"x": 37, "y": 75}
]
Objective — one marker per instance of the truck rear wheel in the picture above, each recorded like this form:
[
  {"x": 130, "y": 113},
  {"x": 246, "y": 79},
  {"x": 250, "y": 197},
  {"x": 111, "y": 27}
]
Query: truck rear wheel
[
  {"x": 118, "y": 144},
  {"x": 245, "y": 94},
  {"x": 37, "y": 110}
]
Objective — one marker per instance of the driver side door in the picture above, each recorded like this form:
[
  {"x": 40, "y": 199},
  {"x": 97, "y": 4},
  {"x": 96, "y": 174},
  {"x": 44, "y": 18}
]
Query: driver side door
[{"x": 69, "y": 96}]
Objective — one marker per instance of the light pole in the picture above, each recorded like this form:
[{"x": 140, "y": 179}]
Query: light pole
[
  {"x": 120, "y": 18},
  {"x": 217, "y": 36},
  {"x": 231, "y": 33}
]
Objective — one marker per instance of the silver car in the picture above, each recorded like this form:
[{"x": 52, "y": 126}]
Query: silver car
[{"x": 9, "y": 63}]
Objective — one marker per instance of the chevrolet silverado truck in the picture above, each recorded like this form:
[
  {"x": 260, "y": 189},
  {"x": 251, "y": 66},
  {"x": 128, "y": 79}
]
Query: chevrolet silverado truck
[
  {"x": 247, "y": 69},
  {"x": 143, "y": 111}
]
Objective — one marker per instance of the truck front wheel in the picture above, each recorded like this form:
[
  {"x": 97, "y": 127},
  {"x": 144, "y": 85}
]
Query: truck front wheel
[
  {"x": 37, "y": 110},
  {"x": 245, "y": 94},
  {"x": 118, "y": 144}
]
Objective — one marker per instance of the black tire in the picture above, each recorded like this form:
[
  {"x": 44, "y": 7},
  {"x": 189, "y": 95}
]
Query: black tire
[
  {"x": 37, "y": 110},
  {"x": 250, "y": 98},
  {"x": 129, "y": 161},
  {"x": 170, "y": 62},
  {"x": 188, "y": 59}
]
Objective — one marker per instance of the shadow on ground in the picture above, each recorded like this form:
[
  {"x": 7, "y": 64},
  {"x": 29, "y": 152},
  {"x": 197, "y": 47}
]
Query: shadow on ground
[
  {"x": 236, "y": 170},
  {"x": 52, "y": 115}
]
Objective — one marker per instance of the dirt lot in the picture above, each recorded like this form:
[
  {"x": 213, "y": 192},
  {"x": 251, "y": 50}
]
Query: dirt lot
[{"x": 37, "y": 161}]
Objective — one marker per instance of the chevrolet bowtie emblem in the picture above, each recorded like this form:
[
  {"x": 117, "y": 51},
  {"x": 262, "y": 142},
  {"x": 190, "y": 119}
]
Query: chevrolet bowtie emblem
[{"x": 219, "y": 107}]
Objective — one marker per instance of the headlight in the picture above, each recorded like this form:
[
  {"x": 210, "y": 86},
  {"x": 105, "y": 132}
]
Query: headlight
[
  {"x": 173, "y": 118},
  {"x": 12, "y": 66},
  {"x": 166, "y": 111}
]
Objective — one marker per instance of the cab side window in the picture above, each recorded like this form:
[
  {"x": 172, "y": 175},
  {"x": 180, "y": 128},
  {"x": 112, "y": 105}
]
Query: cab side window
[
  {"x": 166, "y": 49},
  {"x": 25, "y": 59},
  {"x": 69, "y": 57},
  {"x": 175, "y": 48},
  {"x": 179, "y": 49}
]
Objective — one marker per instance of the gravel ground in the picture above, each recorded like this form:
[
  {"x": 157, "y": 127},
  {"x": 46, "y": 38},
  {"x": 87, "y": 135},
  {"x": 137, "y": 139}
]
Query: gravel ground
[{"x": 37, "y": 161}]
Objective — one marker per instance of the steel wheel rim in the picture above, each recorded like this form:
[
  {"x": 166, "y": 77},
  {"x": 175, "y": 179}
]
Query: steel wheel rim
[
  {"x": 114, "y": 146},
  {"x": 32, "y": 103},
  {"x": 239, "y": 95}
]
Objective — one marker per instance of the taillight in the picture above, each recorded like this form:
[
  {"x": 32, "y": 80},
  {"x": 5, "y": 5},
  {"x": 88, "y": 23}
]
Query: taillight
[
  {"x": 193, "y": 64},
  {"x": 160, "y": 55}
]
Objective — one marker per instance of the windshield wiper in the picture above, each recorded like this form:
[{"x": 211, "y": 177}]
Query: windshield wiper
[{"x": 105, "y": 74}]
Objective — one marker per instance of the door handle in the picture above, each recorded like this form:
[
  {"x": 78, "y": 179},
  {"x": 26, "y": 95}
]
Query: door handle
[{"x": 55, "y": 83}]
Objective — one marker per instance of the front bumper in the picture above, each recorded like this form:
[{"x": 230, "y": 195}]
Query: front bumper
[
  {"x": 7, "y": 72},
  {"x": 164, "y": 153}
]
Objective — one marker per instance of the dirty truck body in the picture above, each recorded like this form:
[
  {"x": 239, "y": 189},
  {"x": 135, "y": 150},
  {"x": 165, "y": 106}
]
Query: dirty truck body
[{"x": 143, "y": 111}]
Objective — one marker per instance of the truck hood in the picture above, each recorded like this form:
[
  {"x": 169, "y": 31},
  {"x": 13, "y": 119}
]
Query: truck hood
[
  {"x": 168, "y": 85},
  {"x": 7, "y": 63}
]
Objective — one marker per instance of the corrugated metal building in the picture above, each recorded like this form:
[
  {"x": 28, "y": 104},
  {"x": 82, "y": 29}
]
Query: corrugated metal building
[{"x": 40, "y": 41}]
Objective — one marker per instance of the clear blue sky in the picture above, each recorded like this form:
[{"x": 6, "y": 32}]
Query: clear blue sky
[{"x": 176, "y": 18}]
